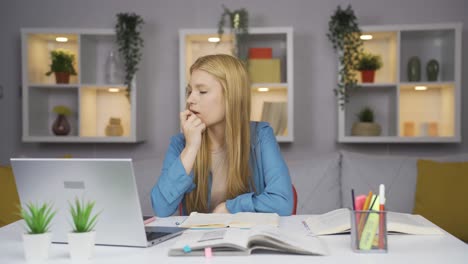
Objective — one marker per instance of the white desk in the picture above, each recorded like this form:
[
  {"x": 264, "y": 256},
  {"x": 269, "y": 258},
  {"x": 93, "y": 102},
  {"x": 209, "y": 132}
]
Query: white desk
[{"x": 402, "y": 249}]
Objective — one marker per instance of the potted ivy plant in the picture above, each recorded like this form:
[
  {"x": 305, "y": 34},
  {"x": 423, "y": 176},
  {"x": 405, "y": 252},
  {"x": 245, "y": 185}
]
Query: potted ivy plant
[
  {"x": 129, "y": 41},
  {"x": 61, "y": 126},
  {"x": 367, "y": 65},
  {"x": 36, "y": 240},
  {"x": 239, "y": 24},
  {"x": 365, "y": 126},
  {"x": 344, "y": 34},
  {"x": 81, "y": 240},
  {"x": 62, "y": 65}
]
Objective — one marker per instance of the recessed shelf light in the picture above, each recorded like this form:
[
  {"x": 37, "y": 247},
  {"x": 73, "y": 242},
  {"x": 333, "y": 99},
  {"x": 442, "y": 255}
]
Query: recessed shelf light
[
  {"x": 366, "y": 37},
  {"x": 213, "y": 39},
  {"x": 61, "y": 39},
  {"x": 420, "y": 88},
  {"x": 263, "y": 89},
  {"x": 113, "y": 90}
]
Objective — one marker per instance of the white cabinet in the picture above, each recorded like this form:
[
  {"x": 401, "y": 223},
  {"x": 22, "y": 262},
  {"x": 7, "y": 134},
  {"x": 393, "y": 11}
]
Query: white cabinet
[
  {"x": 92, "y": 101},
  {"x": 274, "y": 101},
  {"x": 410, "y": 109}
]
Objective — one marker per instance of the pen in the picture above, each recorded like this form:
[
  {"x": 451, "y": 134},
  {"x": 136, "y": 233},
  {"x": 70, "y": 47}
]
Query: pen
[
  {"x": 353, "y": 199},
  {"x": 382, "y": 209},
  {"x": 362, "y": 215},
  {"x": 149, "y": 220}
]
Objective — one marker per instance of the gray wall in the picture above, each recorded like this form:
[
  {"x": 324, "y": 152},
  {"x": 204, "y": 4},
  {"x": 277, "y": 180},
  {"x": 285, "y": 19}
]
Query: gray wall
[{"x": 315, "y": 66}]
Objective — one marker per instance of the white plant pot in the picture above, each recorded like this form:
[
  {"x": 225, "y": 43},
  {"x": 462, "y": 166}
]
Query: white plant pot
[
  {"x": 81, "y": 245},
  {"x": 36, "y": 246}
]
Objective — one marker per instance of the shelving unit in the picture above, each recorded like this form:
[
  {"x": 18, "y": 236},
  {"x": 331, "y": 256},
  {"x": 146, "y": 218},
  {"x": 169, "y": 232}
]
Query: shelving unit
[
  {"x": 410, "y": 112},
  {"x": 194, "y": 44},
  {"x": 88, "y": 96}
]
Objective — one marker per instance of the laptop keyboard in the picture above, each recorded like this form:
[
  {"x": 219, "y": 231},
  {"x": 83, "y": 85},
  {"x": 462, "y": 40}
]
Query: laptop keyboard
[{"x": 155, "y": 235}]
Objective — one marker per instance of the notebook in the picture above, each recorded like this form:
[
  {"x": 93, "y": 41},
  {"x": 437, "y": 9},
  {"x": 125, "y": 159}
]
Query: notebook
[{"x": 108, "y": 182}]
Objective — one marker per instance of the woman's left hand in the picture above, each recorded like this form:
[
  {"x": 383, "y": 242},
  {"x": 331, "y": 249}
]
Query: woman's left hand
[{"x": 221, "y": 209}]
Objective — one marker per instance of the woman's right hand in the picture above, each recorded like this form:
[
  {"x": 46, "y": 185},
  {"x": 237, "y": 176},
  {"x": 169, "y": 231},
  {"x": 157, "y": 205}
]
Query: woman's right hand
[{"x": 192, "y": 127}]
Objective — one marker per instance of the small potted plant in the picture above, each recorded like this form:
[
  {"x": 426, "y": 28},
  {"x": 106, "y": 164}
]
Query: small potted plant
[
  {"x": 36, "y": 240},
  {"x": 81, "y": 240},
  {"x": 239, "y": 24},
  {"x": 61, "y": 126},
  {"x": 365, "y": 125},
  {"x": 130, "y": 43},
  {"x": 343, "y": 33},
  {"x": 62, "y": 65},
  {"x": 367, "y": 65}
]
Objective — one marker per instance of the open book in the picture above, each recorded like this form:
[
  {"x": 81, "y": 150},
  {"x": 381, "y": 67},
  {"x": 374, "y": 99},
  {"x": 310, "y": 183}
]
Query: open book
[
  {"x": 339, "y": 221},
  {"x": 242, "y": 220},
  {"x": 235, "y": 241}
]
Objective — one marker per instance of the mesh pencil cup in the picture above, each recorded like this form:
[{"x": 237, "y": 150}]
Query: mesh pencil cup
[{"x": 369, "y": 231}]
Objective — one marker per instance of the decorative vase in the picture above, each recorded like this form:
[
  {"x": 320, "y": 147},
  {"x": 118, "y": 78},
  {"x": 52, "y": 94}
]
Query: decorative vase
[
  {"x": 81, "y": 245},
  {"x": 365, "y": 129},
  {"x": 36, "y": 246},
  {"x": 432, "y": 70},
  {"x": 114, "y": 128},
  {"x": 61, "y": 126},
  {"x": 112, "y": 70},
  {"x": 62, "y": 77},
  {"x": 414, "y": 69},
  {"x": 367, "y": 76}
]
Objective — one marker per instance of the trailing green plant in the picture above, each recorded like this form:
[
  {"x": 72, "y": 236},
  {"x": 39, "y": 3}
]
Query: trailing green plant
[
  {"x": 61, "y": 110},
  {"x": 130, "y": 42},
  {"x": 369, "y": 62},
  {"x": 81, "y": 215},
  {"x": 239, "y": 24},
  {"x": 344, "y": 34},
  {"x": 366, "y": 115},
  {"x": 37, "y": 217},
  {"x": 62, "y": 61}
]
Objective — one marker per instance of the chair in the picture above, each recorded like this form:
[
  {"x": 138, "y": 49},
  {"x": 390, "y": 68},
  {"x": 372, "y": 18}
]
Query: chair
[
  {"x": 294, "y": 200},
  {"x": 9, "y": 199}
]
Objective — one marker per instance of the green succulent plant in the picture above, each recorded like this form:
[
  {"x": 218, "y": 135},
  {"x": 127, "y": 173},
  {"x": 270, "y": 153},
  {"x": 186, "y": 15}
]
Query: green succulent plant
[
  {"x": 366, "y": 115},
  {"x": 81, "y": 215},
  {"x": 369, "y": 62},
  {"x": 62, "y": 61},
  {"x": 37, "y": 217}
]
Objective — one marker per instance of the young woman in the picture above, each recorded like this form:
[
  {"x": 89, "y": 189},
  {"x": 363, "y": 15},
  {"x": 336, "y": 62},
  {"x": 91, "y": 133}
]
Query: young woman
[{"x": 222, "y": 162}]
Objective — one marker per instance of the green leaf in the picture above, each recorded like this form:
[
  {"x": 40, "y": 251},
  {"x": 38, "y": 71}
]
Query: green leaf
[
  {"x": 81, "y": 215},
  {"x": 37, "y": 217}
]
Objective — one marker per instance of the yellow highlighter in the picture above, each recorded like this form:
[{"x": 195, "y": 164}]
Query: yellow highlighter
[{"x": 370, "y": 227}]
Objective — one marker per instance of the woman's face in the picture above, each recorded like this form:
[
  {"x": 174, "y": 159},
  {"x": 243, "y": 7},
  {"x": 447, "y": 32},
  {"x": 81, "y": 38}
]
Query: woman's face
[{"x": 205, "y": 98}]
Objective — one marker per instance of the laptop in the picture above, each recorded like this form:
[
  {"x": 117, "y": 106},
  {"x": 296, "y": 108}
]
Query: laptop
[{"x": 108, "y": 182}]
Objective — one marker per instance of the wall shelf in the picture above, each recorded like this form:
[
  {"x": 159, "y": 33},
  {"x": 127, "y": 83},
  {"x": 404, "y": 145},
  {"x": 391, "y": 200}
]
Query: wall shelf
[
  {"x": 87, "y": 95},
  {"x": 274, "y": 105},
  {"x": 410, "y": 112}
]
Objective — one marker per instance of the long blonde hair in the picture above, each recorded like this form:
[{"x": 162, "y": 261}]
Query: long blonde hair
[{"x": 233, "y": 77}]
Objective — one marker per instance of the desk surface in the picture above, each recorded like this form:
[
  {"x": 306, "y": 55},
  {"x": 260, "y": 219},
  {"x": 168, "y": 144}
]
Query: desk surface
[{"x": 402, "y": 249}]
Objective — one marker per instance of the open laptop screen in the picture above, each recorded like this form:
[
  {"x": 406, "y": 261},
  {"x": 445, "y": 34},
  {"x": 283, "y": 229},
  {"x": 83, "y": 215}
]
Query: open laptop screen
[{"x": 109, "y": 182}]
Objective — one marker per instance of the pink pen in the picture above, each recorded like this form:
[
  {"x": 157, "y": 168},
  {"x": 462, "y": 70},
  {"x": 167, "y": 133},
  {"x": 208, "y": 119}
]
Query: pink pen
[{"x": 149, "y": 220}]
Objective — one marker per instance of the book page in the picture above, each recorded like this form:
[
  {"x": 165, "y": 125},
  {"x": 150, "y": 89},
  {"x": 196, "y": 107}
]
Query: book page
[
  {"x": 285, "y": 241},
  {"x": 201, "y": 220},
  {"x": 226, "y": 241},
  {"x": 247, "y": 220},
  {"x": 411, "y": 224},
  {"x": 339, "y": 221},
  {"x": 333, "y": 222},
  {"x": 242, "y": 220}
]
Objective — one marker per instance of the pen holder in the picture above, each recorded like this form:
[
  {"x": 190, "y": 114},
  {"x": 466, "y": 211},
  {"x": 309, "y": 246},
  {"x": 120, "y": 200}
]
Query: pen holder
[{"x": 369, "y": 231}]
